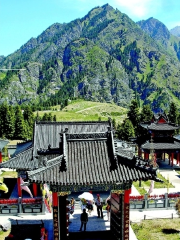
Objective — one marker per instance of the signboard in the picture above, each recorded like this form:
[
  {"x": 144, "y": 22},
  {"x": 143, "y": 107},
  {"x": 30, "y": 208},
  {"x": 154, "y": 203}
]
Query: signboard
[{"x": 56, "y": 223}]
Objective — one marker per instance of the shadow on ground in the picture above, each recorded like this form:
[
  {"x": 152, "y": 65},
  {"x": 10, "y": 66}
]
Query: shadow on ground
[
  {"x": 170, "y": 231},
  {"x": 98, "y": 235}
]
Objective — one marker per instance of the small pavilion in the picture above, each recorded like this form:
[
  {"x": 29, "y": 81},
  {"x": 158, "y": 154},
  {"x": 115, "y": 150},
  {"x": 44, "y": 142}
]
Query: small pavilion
[
  {"x": 77, "y": 157},
  {"x": 159, "y": 139}
]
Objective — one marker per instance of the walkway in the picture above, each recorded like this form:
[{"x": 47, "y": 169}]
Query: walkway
[{"x": 170, "y": 173}]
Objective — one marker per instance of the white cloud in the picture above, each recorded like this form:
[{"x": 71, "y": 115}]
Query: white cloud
[{"x": 138, "y": 8}]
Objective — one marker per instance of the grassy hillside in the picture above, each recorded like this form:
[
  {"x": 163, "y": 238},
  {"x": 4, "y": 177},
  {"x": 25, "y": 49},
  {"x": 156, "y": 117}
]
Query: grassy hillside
[{"x": 80, "y": 110}]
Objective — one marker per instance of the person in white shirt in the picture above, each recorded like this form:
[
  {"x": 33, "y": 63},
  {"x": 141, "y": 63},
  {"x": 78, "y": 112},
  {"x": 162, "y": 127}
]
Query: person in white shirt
[{"x": 99, "y": 205}]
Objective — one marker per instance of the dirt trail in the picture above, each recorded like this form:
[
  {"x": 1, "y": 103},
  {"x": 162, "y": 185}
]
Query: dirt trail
[{"x": 88, "y": 108}]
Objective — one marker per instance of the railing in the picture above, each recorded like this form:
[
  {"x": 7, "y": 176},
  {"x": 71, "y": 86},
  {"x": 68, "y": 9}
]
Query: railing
[
  {"x": 154, "y": 201},
  {"x": 22, "y": 205}
]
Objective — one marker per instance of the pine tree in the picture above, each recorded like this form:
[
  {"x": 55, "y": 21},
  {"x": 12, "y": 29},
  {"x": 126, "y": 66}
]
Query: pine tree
[
  {"x": 126, "y": 130},
  {"x": 134, "y": 116},
  {"x": 146, "y": 114},
  {"x": 20, "y": 127},
  {"x": 173, "y": 113},
  {"x": 29, "y": 119},
  {"x": 54, "y": 118},
  {"x": 45, "y": 117},
  {"x": 38, "y": 118},
  {"x": 6, "y": 121}
]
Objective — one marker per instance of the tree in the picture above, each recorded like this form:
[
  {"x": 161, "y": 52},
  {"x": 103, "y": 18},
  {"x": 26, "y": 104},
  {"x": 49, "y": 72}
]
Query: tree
[
  {"x": 50, "y": 117},
  {"x": 29, "y": 120},
  {"x": 6, "y": 121},
  {"x": 126, "y": 130},
  {"x": 173, "y": 113},
  {"x": 54, "y": 118},
  {"x": 38, "y": 118},
  {"x": 20, "y": 127},
  {"x": 146, "y": 114},
  {"x": 134, "y": 116},
  {"x": 45, "y": 117},
  {"x": 114, "y": 123}
]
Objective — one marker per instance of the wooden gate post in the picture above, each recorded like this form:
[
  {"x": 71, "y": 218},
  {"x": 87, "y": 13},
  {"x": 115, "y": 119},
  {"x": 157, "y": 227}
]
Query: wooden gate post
[{"x": 19, "y": 187}]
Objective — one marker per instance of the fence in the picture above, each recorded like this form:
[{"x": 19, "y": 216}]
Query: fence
[
  {"x": 26, "y": 205},
  {"x": 155, "y": 201}
]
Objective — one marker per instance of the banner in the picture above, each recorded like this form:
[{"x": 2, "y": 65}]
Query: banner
[
  {"x": 151, "y": 187},
  {"x": 25, "y": 188}
]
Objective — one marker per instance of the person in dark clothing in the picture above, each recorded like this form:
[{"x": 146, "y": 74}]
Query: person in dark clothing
[
  {"x": 99, "y": 205},
  {"x": 84, "y": 220}
]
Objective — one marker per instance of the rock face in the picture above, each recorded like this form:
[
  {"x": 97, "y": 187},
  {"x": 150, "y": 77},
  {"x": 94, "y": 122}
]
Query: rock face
[
  {"x": 104, "y": 56},
  {"x": 175, "y": 31}
]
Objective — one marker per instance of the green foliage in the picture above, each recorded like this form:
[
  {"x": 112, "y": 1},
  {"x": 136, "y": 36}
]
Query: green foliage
[
  {"x": 20, "y": 125},
  {"x": 29, "y": 120},
  {"x": 173, "y": 113},
  {"x": 134, "y": 115},
  {"x": 146, "y": 114},
  {"x": 6, "y": 121},
  {"x": 126, "y": 130}
]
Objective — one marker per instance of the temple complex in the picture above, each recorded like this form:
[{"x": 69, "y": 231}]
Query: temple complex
[
  {"x": 82, "y": 156},
  {"x": 160, "y": 139}
]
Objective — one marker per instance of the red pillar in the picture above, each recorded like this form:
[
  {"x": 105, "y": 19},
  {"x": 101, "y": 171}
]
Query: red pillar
[
  {"x": 172, "y": 159},
  {"x": 35, "y": 189},
  {"x": 55, "y": 215},
  {"x": 178, "y": 158},
  {"x": 19, "y": 187},
  {"x": 147, "y": 155},
  {"x": 126, "y": 214},
  {"x": 169, "y": 158},
  {"x": 0, "y": 157}
]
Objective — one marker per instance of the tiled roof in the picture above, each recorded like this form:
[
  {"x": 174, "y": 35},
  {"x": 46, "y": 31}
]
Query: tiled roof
[
  {"x": 22, "y": 147},
  {"x": 21, "y": 161},
  {"x": 161, "y": 146},
  {"x": 86, "y": 153},
  {"x": 162, "y": 127},
  {"x": 89, "y": 162},
  {"x": 46, "y": 133}
]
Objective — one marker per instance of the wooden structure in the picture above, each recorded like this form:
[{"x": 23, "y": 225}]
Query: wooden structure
[
  {"x": 78, "y": 157},
  {"x": 161, "y": 140}
]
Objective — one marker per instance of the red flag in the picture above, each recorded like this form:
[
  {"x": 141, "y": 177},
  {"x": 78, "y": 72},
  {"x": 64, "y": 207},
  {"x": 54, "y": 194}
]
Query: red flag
[{"x": 25, "y": 188}]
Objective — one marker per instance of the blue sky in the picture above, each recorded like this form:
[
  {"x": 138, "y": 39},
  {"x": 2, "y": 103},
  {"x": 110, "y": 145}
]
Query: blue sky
[{"x": 22, "y": 19}]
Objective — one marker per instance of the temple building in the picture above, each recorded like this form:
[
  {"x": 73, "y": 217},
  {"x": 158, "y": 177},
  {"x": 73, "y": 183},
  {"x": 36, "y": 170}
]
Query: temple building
[
  {"x": 160, "y": 139},
  {"x": 77, "y": 157}
]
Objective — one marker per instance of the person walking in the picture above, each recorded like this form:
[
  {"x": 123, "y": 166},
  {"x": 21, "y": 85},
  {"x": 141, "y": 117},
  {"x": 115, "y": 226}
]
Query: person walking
[
  {"x": 89, "y": 206},
  {"x": 99, "y": 205},
  {"x": 84, "y": 220}
]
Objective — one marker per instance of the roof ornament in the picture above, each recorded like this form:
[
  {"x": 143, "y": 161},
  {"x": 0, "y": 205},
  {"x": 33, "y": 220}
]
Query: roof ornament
[{"x": 40, "y": 161}]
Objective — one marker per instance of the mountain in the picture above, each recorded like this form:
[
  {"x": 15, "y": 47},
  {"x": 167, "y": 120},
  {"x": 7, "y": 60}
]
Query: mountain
[
  {"x": 104, "y": 57},
  {"x": 175, "y": 31},
  {"x": 159, "y": 32}
]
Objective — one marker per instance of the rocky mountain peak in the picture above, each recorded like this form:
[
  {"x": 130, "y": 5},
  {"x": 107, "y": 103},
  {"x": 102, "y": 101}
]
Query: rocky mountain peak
[{"x": 175, "y": 31}]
